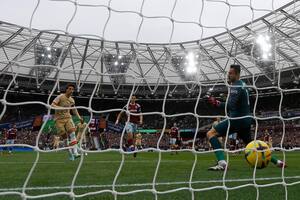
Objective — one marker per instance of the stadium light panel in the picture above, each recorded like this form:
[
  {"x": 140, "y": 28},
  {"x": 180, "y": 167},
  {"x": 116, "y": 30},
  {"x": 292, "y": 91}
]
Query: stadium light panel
[
  {"x": 264, "y": 43},
  {"x": 191, "y": 63}
]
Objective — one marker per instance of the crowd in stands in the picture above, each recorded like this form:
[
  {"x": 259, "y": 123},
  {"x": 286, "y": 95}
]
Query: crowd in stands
[
  {"x": 267, "y": 107},
  {"x": 112, "y": 139}
]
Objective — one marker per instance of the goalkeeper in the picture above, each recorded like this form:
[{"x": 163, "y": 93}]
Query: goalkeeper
[{"x": 238, "y": 106}]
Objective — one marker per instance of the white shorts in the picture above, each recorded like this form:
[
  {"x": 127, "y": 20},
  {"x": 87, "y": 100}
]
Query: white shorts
[
  {"x": 172, "y": 141},
  {"x": 11, "y": 141},
  {"x": 130, "y": 127}
]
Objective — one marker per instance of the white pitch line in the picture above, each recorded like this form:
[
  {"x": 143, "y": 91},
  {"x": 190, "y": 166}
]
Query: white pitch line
[{"x": 147, "y": 184}]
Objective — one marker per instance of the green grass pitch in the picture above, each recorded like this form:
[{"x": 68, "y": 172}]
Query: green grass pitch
[{"x": 54, "y": 173}]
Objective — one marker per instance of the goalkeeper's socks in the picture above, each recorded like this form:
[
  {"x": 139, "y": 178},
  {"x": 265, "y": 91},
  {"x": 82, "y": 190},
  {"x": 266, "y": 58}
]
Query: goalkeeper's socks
[
  {"x": 216, "y": 145},
  {"x": 274, "y": 160}
]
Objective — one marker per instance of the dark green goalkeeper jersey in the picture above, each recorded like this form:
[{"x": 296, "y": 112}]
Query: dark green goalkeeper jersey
[{"x": 238, "y": 103}]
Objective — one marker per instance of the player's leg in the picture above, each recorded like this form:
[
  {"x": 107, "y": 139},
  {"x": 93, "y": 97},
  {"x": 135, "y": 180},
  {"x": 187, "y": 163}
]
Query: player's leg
[
  {"x": 79, "y": 135},
  {"x": 177, "y": 144},
  {"x": 212, "y": 135},
  {"x": 276, "y": 161},
  {"x": 245, "y": 135},
  {"x": 9, "y": 149},
  {"x": 70, "y": 127},
  {"x": 56, "y": 141},
  {"x": 129, "y": 129},
  {"x": 61, "y": 130},
  {"x": 172, "y": 144},
  {"x": 83, "y": 143},
  {"x": 134, "y": 130}
]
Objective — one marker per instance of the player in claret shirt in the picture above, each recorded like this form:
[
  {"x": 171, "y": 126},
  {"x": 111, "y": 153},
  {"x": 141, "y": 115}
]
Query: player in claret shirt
[
  {"x": 132, "y": 124},
  {"x": 174, "y": 137},
  {"x": 10, "y": 137}
]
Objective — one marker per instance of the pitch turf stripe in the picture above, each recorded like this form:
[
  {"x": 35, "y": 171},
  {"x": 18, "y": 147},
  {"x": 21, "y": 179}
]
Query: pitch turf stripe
[{"x": 147, "y": 184}]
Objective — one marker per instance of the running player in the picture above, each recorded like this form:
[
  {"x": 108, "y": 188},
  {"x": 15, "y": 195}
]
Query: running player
[
  {"x": 63, "y": 119},
  {"x": 134, "y": 121}
]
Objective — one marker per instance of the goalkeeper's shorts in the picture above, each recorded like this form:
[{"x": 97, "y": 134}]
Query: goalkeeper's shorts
[{"x": 240, "y": 126}]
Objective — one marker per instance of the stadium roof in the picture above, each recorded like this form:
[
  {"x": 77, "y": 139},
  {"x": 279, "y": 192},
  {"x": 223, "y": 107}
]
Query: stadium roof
[{"x": 88, "y": 60}]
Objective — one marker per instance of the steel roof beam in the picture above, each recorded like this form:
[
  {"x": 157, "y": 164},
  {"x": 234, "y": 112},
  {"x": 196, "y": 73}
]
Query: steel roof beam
[
  {"x": 182, "y": 76},
  {"x": 155, "y": 62},
  {"x": 5, "y": 42},
  {"x": 64, "y": 56},
  {"x": 83, "y": 60},
  {"x": 211, "y": 58},
  {"x": 117, "y": 48},
  {"x": 230, "y": 55},
  {"x": 280, "y": 32},
  {"x": 23, "y": 51},
  {"x": 54, "y": 40},
  {"x": 291, "y": 17},
  {"x": 101, "y": 62},
  {"x": 137, "y": 62}
]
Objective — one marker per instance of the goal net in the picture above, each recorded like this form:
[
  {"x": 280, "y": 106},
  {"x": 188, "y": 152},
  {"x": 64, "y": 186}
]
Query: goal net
[{"x": 173, "y": 56}]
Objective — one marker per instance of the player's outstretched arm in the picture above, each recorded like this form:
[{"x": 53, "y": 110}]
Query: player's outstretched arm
[
  {"x": 141, "y": 118},
  {"x": 118, "y": 117}
]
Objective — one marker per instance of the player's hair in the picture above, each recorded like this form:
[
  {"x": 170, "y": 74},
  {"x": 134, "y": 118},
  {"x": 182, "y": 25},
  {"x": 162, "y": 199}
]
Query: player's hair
[
  {"x": 237, "y": 68},
  {"x": 70, "y": 85}
]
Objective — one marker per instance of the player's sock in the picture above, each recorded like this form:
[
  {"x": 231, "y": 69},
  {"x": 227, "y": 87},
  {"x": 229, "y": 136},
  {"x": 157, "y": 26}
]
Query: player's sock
[
  {"x": 73, "y": 140},
  {"x": 216, "y": 145},
  {"x": 274, "y": 160},
  {"x": 278, "y": 163},
  {"x": 71, "y": 157},
  {"x": 75, "y": 150}
]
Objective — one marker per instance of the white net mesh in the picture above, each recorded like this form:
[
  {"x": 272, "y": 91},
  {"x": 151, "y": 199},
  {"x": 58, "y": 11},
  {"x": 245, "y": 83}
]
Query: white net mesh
[{"x": 159, "y": 72}]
